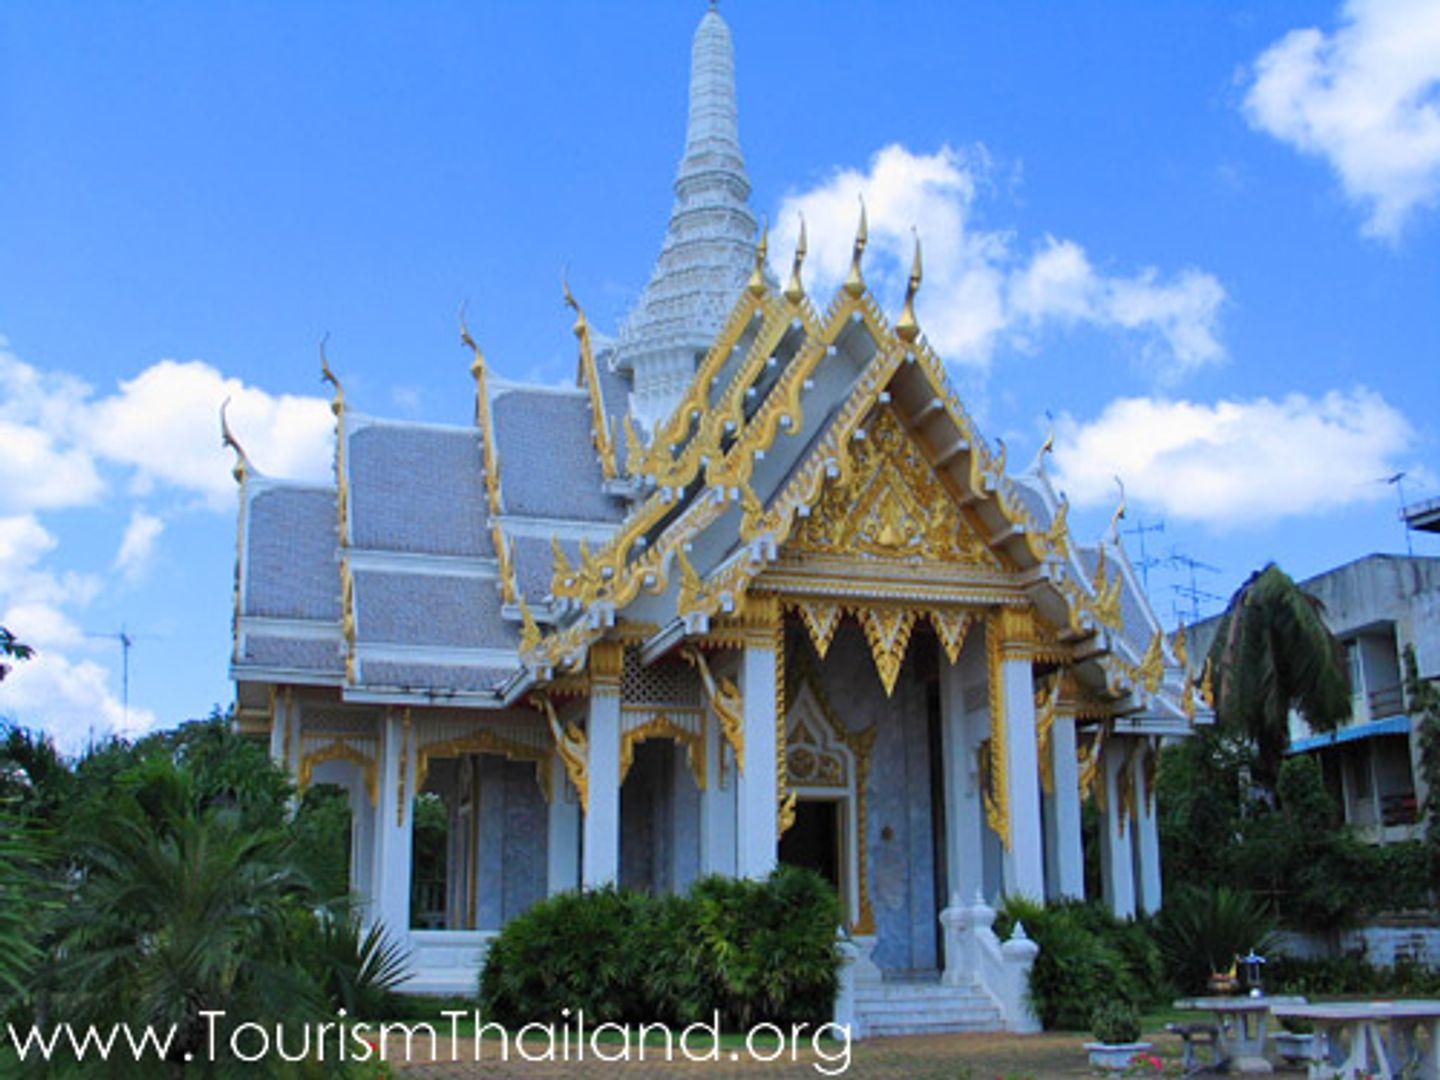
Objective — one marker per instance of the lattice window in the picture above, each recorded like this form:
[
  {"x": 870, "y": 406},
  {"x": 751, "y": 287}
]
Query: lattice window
[{"x": 665, "y": 682}]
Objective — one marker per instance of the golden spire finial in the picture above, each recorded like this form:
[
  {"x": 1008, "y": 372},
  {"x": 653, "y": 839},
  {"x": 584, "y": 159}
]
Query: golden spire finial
[
  {"x": 854, "y": 282},
  {"x": 241, "y": 468},
  {"x": 337, "y": 403},
  {"x": 795, "y": 288},
  {"x": 907, "y": 328},
  {"x": 756, "y": 284}
]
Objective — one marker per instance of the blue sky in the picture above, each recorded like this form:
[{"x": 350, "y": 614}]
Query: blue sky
[{"x": 1203, "y": 237}]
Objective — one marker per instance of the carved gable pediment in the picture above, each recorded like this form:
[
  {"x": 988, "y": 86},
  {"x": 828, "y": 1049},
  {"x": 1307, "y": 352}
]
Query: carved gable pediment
[{"x": 891, "y": 506}]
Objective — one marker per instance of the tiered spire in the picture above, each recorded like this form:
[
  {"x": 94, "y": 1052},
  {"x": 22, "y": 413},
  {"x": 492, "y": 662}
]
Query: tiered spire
[{"x": 709, "y": 245}]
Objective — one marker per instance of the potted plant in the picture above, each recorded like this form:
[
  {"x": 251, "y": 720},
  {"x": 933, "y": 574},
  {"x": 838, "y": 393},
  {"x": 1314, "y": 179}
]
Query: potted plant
[
  {"x": 1297, "y": 1043},
  {"x": 1116, "y": 1026}
]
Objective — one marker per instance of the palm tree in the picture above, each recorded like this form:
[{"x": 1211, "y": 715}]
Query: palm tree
[
  {"x": 1272, "y": 654},
  {"x": 196, "y": 912}
]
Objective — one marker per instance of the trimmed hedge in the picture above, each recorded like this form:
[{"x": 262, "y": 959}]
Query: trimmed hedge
[{"x": 752, "y": 950}]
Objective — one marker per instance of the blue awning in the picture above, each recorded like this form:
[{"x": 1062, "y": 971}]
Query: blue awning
[{"x": 1391, "y": 725}]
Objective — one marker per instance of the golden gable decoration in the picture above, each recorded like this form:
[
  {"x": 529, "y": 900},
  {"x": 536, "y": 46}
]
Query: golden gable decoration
[{"x": 891, "y": 506}]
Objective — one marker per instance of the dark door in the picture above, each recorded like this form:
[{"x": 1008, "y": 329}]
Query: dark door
[{"x": 813, "y": 841}]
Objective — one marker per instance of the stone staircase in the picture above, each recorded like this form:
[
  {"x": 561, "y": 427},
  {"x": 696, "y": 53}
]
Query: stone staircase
[{"x": 924, "y": 1007}]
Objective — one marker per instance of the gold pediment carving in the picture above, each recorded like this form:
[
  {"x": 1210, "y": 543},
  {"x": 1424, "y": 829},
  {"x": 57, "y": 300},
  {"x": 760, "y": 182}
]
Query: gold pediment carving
[{"x": 892, "y": 506}]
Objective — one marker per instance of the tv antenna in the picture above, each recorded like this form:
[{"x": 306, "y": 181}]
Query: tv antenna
[
  {"x": 1146, "y": 561},
  {"x": 127, "y": 642},
  {"x": 1397, "y": 480},
  {"x": 1192, "y": 591}
]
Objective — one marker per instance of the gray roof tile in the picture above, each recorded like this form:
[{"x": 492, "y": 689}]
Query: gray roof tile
[
  {"x": 441, "y": 610},
  {"x": 548, "y": 466},
  {"x": 418, "y": 489},
  {"x": 292, "y": 567}
]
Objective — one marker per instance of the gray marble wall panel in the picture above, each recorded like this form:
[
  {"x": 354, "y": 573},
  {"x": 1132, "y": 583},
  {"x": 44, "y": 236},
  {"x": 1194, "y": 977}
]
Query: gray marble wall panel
[{"x": 899, "y": 830}]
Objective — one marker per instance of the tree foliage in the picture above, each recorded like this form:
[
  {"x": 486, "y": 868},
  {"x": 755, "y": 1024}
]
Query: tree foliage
[
  {"x": 1423, "y": 697},
  {"x": 1272, "y": 654},
  {"x": 13, "y": 649}
]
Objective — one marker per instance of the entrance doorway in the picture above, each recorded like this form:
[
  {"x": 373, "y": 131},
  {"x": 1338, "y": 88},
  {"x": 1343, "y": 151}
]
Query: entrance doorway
[{"x": 813, "y": 841}]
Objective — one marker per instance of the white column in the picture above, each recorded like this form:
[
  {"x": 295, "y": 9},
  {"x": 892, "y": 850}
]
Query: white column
[
  {"x": 562, "y": 841},
  {"x": 1025, "y": 859},
  {"x": 362, "y": 845},
  {"x": 1064, "y": 845},
  {"x": 717, "y": 803},
  {"x": 1117, "y": 868},
  {"x": 964, "y": 813},
  {"x": 600, "y": 858},
  {"x": 756, "y": 837},
  {"x": 1147, "y": 842},
  {"x": 393, "y": 825}
]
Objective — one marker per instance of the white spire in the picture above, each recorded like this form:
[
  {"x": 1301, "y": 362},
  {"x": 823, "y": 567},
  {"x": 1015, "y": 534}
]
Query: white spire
[{"x": 709, "y": 246}]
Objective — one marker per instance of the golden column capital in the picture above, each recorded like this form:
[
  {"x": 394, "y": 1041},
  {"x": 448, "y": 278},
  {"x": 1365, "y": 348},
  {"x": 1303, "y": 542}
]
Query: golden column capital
[{"x": 607, "y": 661}]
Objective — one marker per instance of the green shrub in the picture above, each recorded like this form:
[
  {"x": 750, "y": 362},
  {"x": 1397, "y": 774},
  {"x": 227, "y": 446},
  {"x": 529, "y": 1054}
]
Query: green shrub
[
  {"x": 1086, "y": 955},
  {"x": 754, "y": 951},
  {"x": 1201, "y": 931},
  {"x": 1116, "y": 1023},
  {"x": 574, "y": 951}
]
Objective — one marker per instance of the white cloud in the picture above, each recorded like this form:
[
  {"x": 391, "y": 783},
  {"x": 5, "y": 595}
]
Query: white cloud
[
  {"x": 980, "y": 291},
  {"x": 164, "y": 423},
  {"x": 1235, "y": 462},
  {"x": 1366, "y": 98},
  {"x": 70, "y": 699},
  {"x": 138, "y": 544},
  {"x": 161, "y": 428}
]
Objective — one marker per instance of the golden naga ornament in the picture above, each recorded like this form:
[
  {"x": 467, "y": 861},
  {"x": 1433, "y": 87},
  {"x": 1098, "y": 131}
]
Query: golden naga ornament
[
  {"x": 571, "y": 745},
  {"x": 725, "y": 701}
]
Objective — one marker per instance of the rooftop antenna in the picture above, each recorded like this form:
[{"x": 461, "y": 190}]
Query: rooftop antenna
[
  {"x": 1146, "y": 560},
  {"x": 1397, "y": 480},
  {"x": 1192, "y": 592}
]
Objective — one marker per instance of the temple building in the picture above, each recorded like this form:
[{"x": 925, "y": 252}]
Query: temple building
[{"x": 754, "y": 590}]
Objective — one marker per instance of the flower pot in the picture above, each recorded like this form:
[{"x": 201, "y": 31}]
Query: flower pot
[
  {"x": 1114, "y": 1057},
  {"x": 1296, "y": 1048}
]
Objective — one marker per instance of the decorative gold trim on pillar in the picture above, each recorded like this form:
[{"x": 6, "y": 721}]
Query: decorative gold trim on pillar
[
  {"x": 997, "y": 792},
  {"x": 293, "y": 729},
  {"x": 1047, "y": 701},
  {"x": 764, "y": 628},
  {"x": 404, "y": 767}
]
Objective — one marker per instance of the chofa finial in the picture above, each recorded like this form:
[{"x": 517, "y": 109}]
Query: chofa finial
[
  {"x": 854, "y": 282},
  {"x": 907, "y": 327},
  {"x": 581, "y": 325},
  {"x": 337, "y": 403},
  {"x": 1119, "y": 514},
  {"x": 795, "y": 288},
  {"x": 241, "y": 468}
]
